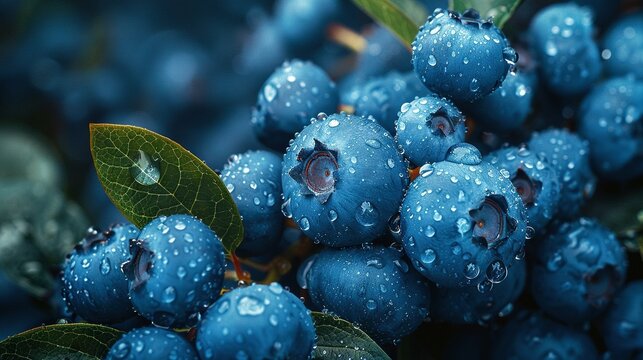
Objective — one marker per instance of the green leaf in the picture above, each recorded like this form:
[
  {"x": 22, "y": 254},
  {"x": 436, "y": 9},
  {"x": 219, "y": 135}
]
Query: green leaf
[
  {"x": 402, "y": 17},
  {"x": 337, "y": 338},
  {"x": 500, "y": 10},
  {"x": 147, "y": 175},
  {"x": 63, "y": 341}
]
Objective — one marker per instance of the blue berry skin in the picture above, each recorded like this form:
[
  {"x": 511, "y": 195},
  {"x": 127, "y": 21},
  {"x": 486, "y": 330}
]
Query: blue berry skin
[
  {"x": 569, "y": 155},
  {"x": 561, "y": 40},
  {"x": 577, "y": 270},
  {"x": 343, "y": 178},
  {"x": 372, "y": 287},
  {"x": 382, "y": 97},
  {"x": 463, "y": 223},
  {"x": 93, "y": 285},
  {"x": 176, "y": 270},
  {"x": 531, "y": 336},
  {"x": 623, "y": 46},
  {"x": 611, "y": 119},
  {"x": 292, "y": 95},
  {"x": 469, "y": 306},
  {"x": 622, "y": 325},
  {"x": 256, "y": 322},
  {"x": 151, "y": 343},
  {"x": 302, "y": 23},
  {"x": 535, "y": 180},
  {"x": 427, "y": 127},
  {"x": 460, "y": 56},
  {"x": 254, "y": 181},
  {"x": 507, "y": 107},
  {"x": 383, "y": 53}
]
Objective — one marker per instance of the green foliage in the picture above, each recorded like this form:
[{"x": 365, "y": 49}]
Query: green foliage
[{"x": 339, "y": 339}]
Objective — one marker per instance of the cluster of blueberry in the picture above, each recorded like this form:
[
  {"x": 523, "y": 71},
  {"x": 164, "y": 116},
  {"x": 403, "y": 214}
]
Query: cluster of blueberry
[{"x": 432, "y": 191}]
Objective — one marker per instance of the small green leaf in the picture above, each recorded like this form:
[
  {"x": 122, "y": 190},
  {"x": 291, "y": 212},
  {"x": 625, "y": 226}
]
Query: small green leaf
[
  {"x": 500, "y": 10},
  {"x": 147, "y": 175},
  {"x": 337, "y": 338},
  {"x": 402, "y": 17},
  {"x": 63, "y": 341}
]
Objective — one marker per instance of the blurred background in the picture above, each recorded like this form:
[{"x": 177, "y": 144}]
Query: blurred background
[{"x": 187, "y": 70}]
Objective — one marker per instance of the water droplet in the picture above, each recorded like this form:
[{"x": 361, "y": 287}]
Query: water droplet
[
  {"x": 332, "y": 215},
  {"x": 367, "y": 214},
  {"x": 146, "y": 169},
  {"x": 429, "y": 231},
  {"x": 179, "y": 226},
  {"x": 402, "y": 265},
  {"x": 464, "y": 153},
  {"x": 375, "y": 262},
  {"x": 555, "y": 262},
  {"x": 169, "y": 295},
  {"x": 269, "y": 92},
  {"x": 333, "y": 123},
  {"x": 437, "y": 216},
  {"x": 371, "y": 304},
  {"x": 485, "y": 286},
  {"x": 432, "y": 60},
  {"x": 426, "y": 170},
  {"x": 496, "y": 271},
  {"x": 274, "y": 321},
  {"x": 435, "y": 30},
  {"x": 249, "y": 305},
  {"x": 471, "y": 271},
  {"x": 105, "y": 266},
  {"x": 374, "y": 143},
  {"x": 428, "y": 256},
  {"x": 285, "y": 209},
  {"x": 181, "y": 272},
  {"x": 474, "y": 86},
  {"x": 304, "y": 224},
  {"x": 121, "y": 350},
  {"x": 456, "y": 249}
]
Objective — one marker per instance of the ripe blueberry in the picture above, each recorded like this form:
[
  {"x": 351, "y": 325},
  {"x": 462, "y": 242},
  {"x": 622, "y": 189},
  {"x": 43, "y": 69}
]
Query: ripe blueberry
[
  {"x": 176, "y": 270},
  {"x": 463, "y": 223},
  {"x": 460, "y": 56},
  {"x": 576, "y": 271},
  {"x": 292, "y": 95},
  {"x": 151, "y": 343},
  {"x": 93, "y": 285},
  {"x": 623, "y": 46},
  {"x": 427, "y": 127},
  {"x": 256, "y": 322},
  {"x": 343, "y": 178},
  {"x": 254, "y": 181},
  {"x": 373, "y": 287},
  {"x": 622, "y": 325},
  {"x": 302, "y": 23}
]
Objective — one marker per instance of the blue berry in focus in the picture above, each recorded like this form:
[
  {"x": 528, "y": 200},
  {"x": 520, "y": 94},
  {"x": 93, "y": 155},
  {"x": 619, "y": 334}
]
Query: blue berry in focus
[
  {"x": 176, "y": 270},
  {"x": 623, "y": 46},
  {"x": 256, "y": 322},
  {"x": 535, "y": 180},
  {"x": 463, "y": 223},
  {"x": 561, "y": 40},
  {"x": 343, "y": 178},
  {"x": 531, "y": 336},
  {"x": 576, "y": 271},
  {"x": 151, "y": 343},
  {"x": 611, "y": 119},
  {"x": 622, "y": 325},
  {"x": 373, "y": 287},
  {"x": 460, "y": 56},
  {"x": 569, "y": 155},
  {"x": 506, "y": 108},
  {"x": 254, "y": 181},
  {"x": 93, "y": 285},
  {"x": 427, "y": 127},
  {"x": 382, "y": 97},
  {"x": 292, "y": 95},
  {"x": 469, "y": 305}
]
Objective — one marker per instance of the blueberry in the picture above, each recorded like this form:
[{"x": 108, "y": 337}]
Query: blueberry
[
  {"x": 382, "y": 97},
  {"x": 531, "y": 336},
  {"x": 151, "y": 343},
  {"x": 535, "y": 180},
  {"x": 611, "y": 119},
  {"x": 292, "y": 95},
  {"x": 569, "y": 155},
  {"x": 460, "y": 56},
  {"x": 343, "y": 178},
  {"x": 577, "y": 270},
  {"x": 254, "y": 181},
  {"x": 427, "y": 127},
  {"x": 469, "y": 305},
  {"x": 623, "y": 46},
  {"x": 561, "y": 40},
  {"x": 622, "y": 325},
  {"x": 93, "y": 285},
  {"x": 302, "y": 23},
  {"x": 507, "y": 107},
  {"x": 256, "y": 322},
  {"x": 373, "y": 287},
  {"x": 176, "y": 270},
  {"x": 463, "y": 223},
  {"x": 383, "y": 53}
]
